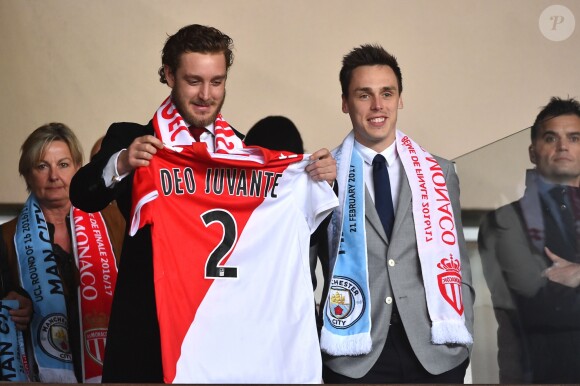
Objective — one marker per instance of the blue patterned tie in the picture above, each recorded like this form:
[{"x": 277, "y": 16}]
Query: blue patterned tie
[{"x": 383, "y": 199}]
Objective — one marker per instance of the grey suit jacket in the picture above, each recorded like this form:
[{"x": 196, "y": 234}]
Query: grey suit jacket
[
  {"x": 527, "y": 305},
  {"x": 395, "y": 274}
]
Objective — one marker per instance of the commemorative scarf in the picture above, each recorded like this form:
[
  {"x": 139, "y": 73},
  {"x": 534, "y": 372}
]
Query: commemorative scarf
[
  {"x": 98, "y": 274},
  {"x": 346, "y": 329},
  {"x": 347, "y": 322},
  {"x": 40, "y": 277},
  {"x": 174, "y": 132},
  {"x": 13, "y": 360}
]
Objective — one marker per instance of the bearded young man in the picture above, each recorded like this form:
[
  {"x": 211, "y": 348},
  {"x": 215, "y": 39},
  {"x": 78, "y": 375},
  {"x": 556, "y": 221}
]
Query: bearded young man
[{"x": 195, "y": 66}]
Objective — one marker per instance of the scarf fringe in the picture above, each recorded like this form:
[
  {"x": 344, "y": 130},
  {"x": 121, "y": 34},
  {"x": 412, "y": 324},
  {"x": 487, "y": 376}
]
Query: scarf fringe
[
  {"x": 335, "y": 345},
  {"x": 50, "y": 375},
  {"x": 450, "y": 332}
]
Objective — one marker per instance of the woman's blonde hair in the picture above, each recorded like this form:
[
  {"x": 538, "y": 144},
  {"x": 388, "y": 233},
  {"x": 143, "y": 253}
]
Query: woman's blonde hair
[{"x": 35, "y": 145}]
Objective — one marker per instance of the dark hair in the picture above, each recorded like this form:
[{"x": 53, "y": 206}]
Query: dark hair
[
  {"x": 367, "y": 55},
  {"x": 194, "y": 38},
  {"x": 275, "y": 133},
  {"x": 96, "y": 147},
  {"x": 35, "y": 145},
  {"x": 555, "y": 108}
]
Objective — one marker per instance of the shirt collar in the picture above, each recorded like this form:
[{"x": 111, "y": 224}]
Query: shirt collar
[
  {"x": 545, "y": 186},
  {"x": 209, "y": 127},
  {"x": 390, "y": 153}
]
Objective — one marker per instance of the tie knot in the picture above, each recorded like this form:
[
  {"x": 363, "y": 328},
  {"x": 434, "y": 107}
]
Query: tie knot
[
  {"x": 379, "y": 160},
  {"x": 196, "y": 132}
]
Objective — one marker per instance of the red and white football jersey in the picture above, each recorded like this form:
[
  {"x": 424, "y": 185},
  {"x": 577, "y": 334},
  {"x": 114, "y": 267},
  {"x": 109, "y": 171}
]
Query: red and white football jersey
[{"x": 230, "y": 238}]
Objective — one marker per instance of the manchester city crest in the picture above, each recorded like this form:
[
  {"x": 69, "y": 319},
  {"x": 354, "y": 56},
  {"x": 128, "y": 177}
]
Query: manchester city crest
[
  {"x": 346, "y": 302},
  {"x": 53, "y": 337}
]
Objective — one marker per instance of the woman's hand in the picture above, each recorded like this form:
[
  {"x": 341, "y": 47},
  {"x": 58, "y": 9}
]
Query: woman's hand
[{"x": 23, "y": 314}]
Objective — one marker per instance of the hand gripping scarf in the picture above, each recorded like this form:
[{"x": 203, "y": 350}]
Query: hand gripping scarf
[
  {"x": 347, "y": 323},
  {"x": 40, "y": 278},
  {"x": 13, "y": 360}
]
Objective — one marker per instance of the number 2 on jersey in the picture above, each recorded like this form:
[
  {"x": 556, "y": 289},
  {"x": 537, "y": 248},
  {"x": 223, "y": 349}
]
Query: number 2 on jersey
[{"x": 229, "y": 237}]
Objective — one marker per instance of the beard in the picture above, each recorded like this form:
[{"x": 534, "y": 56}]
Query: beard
[{"x": 193, "y": 119}]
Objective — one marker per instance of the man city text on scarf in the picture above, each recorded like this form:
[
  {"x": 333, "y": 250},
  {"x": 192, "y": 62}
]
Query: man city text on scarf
[{"x": 48, "y": 256}]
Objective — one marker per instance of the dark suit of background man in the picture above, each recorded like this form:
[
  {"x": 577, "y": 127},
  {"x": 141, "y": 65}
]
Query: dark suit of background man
[
  {"x": 400, "y": 331},
  {"x": 195, "y": 63},
  {"x": 530, "y": 252}
]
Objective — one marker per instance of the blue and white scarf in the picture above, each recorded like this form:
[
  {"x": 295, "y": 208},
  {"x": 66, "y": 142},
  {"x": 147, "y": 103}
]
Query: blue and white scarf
[
  {"x": 347, "y": 321},
  {"x": 39, "y": 277},
  {"x": 12, "y": 355}
]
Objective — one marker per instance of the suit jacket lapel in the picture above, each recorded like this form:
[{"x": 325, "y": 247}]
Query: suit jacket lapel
[
  {"x": 373, "y": 218},
  {"x": 403, "y": 203},
  {"x": 400, "y": 212}
]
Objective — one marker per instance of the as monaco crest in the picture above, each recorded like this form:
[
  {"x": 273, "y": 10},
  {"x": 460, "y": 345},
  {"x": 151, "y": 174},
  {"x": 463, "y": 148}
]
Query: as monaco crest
[
  {"x": 95, "y": 340},
  {"x": 450, "y": 282}
]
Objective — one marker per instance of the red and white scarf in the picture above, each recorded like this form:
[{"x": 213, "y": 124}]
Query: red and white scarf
[
  {"x": 174, "y": 132},
  {"x": 98, "y": 275},
  {"x": 437, "y": 243}
]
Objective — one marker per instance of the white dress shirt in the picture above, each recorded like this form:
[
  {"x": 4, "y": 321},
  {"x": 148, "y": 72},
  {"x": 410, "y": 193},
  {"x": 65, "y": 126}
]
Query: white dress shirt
[{"x": 394, "y": 167}]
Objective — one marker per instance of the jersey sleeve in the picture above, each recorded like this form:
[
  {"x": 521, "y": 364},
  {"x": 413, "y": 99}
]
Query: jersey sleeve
[
  {"x": 316, "y": 198},
  {"x": 144, "y": 192}
]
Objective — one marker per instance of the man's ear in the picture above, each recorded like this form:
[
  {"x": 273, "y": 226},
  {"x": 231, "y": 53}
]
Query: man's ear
[
  {"x": 400, "y": 102},
  {"x": 169, "y": 76},
  {"x": 344, "y": 105},
  {"x": 532, "y": 154}
]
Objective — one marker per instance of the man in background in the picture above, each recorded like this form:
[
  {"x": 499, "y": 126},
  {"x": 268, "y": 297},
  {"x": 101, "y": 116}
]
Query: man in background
[{"x": 530, "y": 252}]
